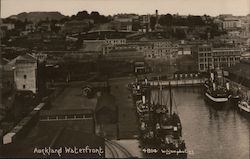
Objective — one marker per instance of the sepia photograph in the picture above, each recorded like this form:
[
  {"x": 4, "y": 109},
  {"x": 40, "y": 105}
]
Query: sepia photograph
[{"x": 125, "y": 79}]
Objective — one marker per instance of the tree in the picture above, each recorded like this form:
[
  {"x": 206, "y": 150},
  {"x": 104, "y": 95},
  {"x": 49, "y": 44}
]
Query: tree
[
  {"x": 195, "y": 21},
  {"x": 81, "y": 15},
  {"x": 180, "y": 34},
  {"x": 166, "y": 20}
]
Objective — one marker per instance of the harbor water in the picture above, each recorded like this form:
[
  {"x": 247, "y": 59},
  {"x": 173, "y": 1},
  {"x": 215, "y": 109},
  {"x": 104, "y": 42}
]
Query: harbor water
[{"x": 209, "y": 133}]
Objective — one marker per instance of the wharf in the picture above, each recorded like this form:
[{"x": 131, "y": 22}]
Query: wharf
[
  {"x": 178, "y": 82},
  {"x": 127, "y": 121}
]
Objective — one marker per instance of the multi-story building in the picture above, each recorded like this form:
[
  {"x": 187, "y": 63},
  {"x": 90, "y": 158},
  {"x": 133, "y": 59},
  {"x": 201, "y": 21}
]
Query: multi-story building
[
  {"x": 209, "y": 57},
  {"x": 7, "y": 26},
  {"x": 123, "y": 23},
  {"x": 231, "y": 23},
  {"x": 184, "y": 50},
  {"x": 103, "y": 45},
  {"x": 226, "y": 57},
  {"x": 205, "y": 58},
  {"x": 144, "y": 23},
  {"x": 25, "y": 73},
  {"x": 30, "y": 27}
]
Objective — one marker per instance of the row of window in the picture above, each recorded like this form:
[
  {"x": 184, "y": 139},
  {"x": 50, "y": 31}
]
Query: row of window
[
  {"x": 205, "y": 54},
  {"x": 116, "y": 41},
  {"x": 222, "y": 59},
  {"x": 65, "y": 117},
  {"x": 205, "y": 66},
  {"x": 227, "y": 59},
  {"x": 205, "y": 60},
  {"x": 204, "y": 49}
]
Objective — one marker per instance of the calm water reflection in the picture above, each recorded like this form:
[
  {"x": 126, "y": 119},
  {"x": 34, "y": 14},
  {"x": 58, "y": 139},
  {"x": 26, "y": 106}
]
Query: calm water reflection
[{"x": 209, "y": 133}]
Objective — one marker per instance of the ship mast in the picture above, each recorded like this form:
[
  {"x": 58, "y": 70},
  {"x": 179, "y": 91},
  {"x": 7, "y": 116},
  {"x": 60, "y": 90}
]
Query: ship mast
[
  {"x": 158, "y": 102},
  {"x": 170, "y": 95}
]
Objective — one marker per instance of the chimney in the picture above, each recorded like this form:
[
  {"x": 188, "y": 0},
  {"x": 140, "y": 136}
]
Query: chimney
[{"x": 156, "y": 14}]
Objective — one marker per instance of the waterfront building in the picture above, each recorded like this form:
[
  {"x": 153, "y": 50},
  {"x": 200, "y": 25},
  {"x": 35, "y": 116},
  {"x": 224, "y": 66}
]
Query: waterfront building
[
  {"x": 209, "y": 57},
  {"x": 205, "y": 58},
  {"x": 225, "y": 57},
  {"x": 25, "y": 72}
]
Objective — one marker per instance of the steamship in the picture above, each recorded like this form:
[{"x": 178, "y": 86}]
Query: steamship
[{"x": 216, "y": 93}]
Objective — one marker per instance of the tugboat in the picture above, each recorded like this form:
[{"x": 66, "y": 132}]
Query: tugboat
[
  {"x": 217, "y": 94},
  {"x": 160, "y": 128},
  {"x": 244, "y": 104}
]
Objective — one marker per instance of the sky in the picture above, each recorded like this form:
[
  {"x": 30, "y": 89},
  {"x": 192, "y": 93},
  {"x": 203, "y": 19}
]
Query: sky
[{"x": 110, "y": 7}]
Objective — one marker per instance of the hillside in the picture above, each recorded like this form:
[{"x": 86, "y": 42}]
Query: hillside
[{"x": 37, "y": 16}]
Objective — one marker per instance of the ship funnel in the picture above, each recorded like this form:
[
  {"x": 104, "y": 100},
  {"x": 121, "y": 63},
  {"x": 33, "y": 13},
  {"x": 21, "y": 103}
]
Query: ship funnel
[
  {"x": 143, "y": 99},
  {"x": 212, "y": 76},
  {"x": 214, "y": 86},
  {"x": 227, "y": 85},
  {"x": 138, "y": 87}
]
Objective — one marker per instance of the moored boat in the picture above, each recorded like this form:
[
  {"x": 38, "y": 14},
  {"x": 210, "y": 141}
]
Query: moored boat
[
  {"x": 217, "y": 94},
  {"x": 244, "y": 106},
  {"x": 160, "y": 128}
]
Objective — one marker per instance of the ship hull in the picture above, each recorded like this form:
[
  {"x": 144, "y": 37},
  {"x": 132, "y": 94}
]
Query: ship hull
[
  {"x": 244, "y": 110},
  {"x": 217, "y": 102}
]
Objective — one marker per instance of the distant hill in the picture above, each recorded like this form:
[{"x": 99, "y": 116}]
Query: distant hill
[{"x": 37, "y": 16}]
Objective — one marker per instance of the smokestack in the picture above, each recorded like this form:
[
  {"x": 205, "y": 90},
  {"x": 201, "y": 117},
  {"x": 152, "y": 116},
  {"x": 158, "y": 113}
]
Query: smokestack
[
  {"x": 214, "y": 86},
  {"x": 156, "y": 14},
  {"x": 212, "y": 76},
  {"x": 227, "y": 85},
  {"x": 143, "y": 99},
  {"x": 138, "y": 87}
]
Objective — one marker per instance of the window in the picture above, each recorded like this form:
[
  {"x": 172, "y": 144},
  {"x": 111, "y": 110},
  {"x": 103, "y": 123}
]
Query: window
[
  {"x": 70, "y": 116},
  {"x": 88, "y": 116},
  {"x": 61, "y": 117},
  {"x": 79, "y": 116},
  {"x": 201, "y": 66},
  {"x": 24, "y": 76},
  {"x": 24, "y": 86},
  {"x": 52, "y": 117}
]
